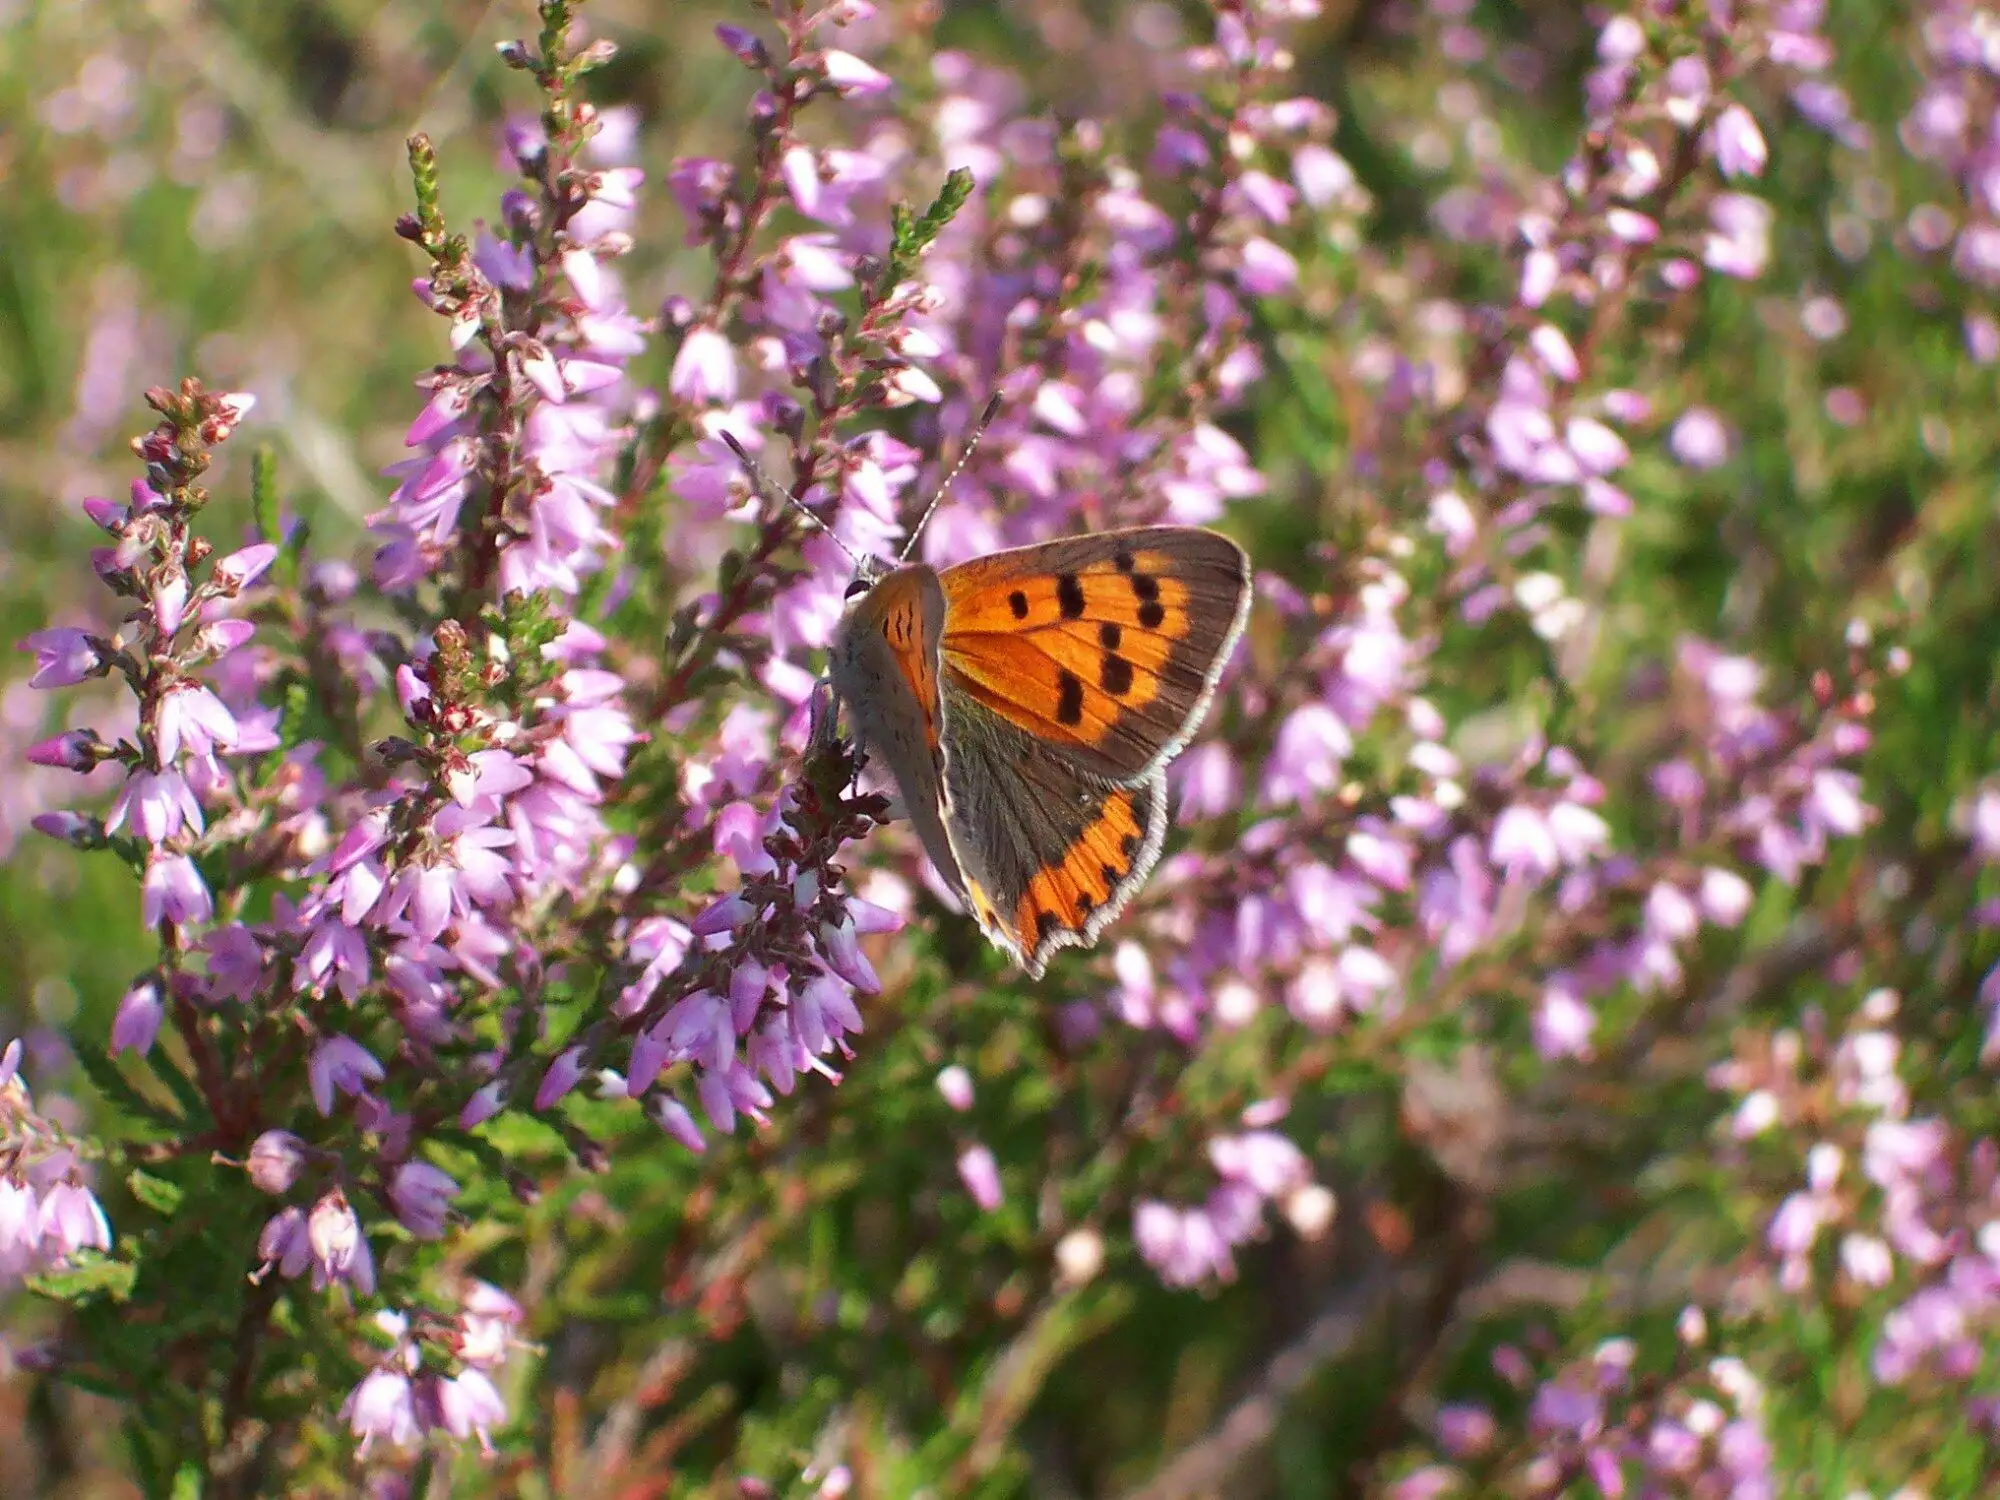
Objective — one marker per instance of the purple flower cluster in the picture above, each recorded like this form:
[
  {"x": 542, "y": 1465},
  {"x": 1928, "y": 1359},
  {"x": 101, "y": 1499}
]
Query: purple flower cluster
[
  {"x": 408, "y": 1394},
  {"x": 1952, "y": 124},
  {"x": 523, "y": 427},
  {"x": 1897, "y": 1207},
  {"x": 1607, "y": 1420},
  {"x": 1191, "y": 1246},
  {"x": 48, "y": 1213}
]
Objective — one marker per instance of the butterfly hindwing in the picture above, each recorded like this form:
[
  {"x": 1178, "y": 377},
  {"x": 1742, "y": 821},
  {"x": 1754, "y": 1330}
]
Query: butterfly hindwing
[
  {"x": 1107, "y": 646},
  {"x": 1049, "y": 854}
]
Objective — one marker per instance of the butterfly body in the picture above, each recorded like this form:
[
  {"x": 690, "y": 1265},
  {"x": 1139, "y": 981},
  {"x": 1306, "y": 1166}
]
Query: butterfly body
[{"x": 1027, "y": 704}]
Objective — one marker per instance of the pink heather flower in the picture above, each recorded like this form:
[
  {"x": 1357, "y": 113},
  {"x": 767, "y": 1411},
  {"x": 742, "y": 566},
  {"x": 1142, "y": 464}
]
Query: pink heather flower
[
  {"x": 1465, "y": 1430},
  {"x": 1311, "y": 745},
  {"x": 1867, "y": 1260},
  {"x": 1597, "y": 447},
  {"x": 63, "y": 657},
  {"x": 72, "y": 1220},
  {"x": 173, "y": 891},
  {"x": 170, "y": 598},
  {"x": 339, "y": 1249},
  {"x": 852, "y": 78},
  {"x": 673, "y": 1117},
  {"x": 486, "y": 1102},
  {"x": 275, "y": 1160},
  {"x": 1555, "y": 352},
  {"x": 747, "y": 48},
  {"x": 1266, "y": 1162},
  {"x": 1725, "y": 896},
  {"x": 1563, "y": 1024},
  {"x": 76, "y": 750},
  {"x": 1632, "y": 227},
  {"x": 382, "y": 1407},
  {"x": 981, "y": 1175},
  {"x": 1739, "y": 238},
  {"x": 724, "y": 915},
  {"x": 1621, "y": 41},
  {"x": 1523, "y": 845},
  {"x": 157, "y": 803},
  {"x": 20, "y": 1225},
  {"x": 487, "y": 1320},
  {"x": 563, "y": 1075},
  {"x": 1539, "y": 272},
  {"x": 704, "y": 371},
  {"x": 340, "y": 1063},
  {"x": 468, "y": 1404},
  {"x": 137, "y": 1022},
  {"x": 1699, "y": 439},
  {"x": 244, "y": 567},
  {"x": 1266, "y": 270},
  {"x": 422, "y": 1195},
  {"x": 1737, "y": 145},
  {"x": 838, "y": 944},
  {"x": 955, "y": 1084},
  {"x": 282, "y": 1244},
  {"x": 191, "y": 715},
  {"x": 1432, "y": 1482}
]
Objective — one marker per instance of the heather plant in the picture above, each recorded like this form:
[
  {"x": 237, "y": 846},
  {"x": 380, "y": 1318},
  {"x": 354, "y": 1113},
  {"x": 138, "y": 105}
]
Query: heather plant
[{"x": 479, "y": 1027}]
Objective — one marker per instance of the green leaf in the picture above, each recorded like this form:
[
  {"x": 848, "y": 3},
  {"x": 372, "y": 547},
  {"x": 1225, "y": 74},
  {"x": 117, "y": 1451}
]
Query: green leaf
[
  {"x": 910, "y": 237},
  {"x": 292, "y": 554},
  {"x": 297, "y": 721},
  {"x": 264, "y": 495},
  {"x": 91, "y": 1276},
  {"x": 109, "y": 1082},
  {"x": 193, "y": 1107},
  {"x": 424, "y": 179},
  {"x": 187, "y": 1483},
  {"x": 161, "y": 1196}
]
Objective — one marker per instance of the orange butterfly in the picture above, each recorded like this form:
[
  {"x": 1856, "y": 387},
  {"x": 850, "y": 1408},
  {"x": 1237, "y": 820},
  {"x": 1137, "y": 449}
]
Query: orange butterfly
[{"x": 1028, "y": 703}]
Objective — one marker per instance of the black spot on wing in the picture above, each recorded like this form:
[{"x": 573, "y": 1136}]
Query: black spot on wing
[
  {"x": 1145, "y": 586},
  {"x": 1122, "y": 561},
  {"x": 1128, "y": 846},
  {"x": 1115, "y": 675},
  {"x": 1069, "y": 700},
  {"x": 1018, "y": 602},
  {"x": 1112, "y": 875},
  {"x": 1069, "y": 596},
  {"x": 1152, "y": 614},
  {"x": 1109, "y": 636},
  {"x": 1047, "y": 923}
]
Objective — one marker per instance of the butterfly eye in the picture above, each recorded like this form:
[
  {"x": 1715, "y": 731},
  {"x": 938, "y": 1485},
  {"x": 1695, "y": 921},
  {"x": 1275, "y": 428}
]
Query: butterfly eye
[{"x": 859, "y": 586}]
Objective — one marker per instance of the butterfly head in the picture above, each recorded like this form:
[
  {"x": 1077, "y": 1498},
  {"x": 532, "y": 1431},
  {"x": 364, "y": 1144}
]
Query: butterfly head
[{"x": 868, "y": 571}]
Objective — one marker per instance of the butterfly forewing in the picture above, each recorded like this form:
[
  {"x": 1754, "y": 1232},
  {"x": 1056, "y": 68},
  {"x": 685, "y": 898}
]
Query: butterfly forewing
[{"x": 1107, "y": 645}]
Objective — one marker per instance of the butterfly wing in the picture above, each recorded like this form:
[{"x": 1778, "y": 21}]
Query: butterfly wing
[
  {"x": 1049, "y": 853},
  {"x": 1107, "y": 646}
]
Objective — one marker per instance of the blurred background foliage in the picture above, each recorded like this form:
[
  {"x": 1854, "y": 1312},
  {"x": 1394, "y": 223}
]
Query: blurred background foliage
[{"x": 210, "y": 188}]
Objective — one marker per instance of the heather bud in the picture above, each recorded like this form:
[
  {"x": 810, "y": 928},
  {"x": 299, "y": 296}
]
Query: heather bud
[{"x": 276, "y": 1159}]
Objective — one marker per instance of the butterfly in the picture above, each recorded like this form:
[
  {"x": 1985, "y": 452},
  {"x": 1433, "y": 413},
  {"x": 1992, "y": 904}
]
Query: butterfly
[{"x": 1027, "y": 705}]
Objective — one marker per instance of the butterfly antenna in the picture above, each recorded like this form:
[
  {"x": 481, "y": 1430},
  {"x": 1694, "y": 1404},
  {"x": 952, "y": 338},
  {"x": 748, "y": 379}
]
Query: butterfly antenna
[
  {"x": 971, "y": 442},
  {"x": 770, "y": 489}
]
